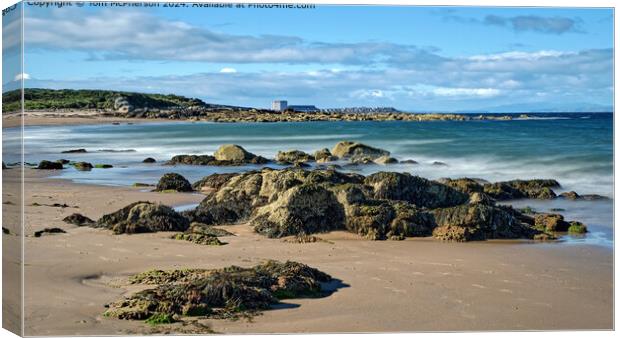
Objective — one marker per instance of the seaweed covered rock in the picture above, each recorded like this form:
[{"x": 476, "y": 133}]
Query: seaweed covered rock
[
  {"x": 83, "y": 166},
  {"x": 479, "y": 222},
  {"x": 324, "y": 155},
  {"x": 212, "y": 160},
  {"x": 571, "y": 195},
  {"x": 213, "y": 181},
  {"x": 385, "y": 160},
  {"x": 49, "y": 165},
  {"x": 198, "y": 238},
  {"x": 536, "y": 189},
  {"x": 414, "y": 189},
  {"x": 466, "y": 185},
  {"x": 293, "y": 156},
  {"x": 304, "y": 209},
  {"x": 78, "y": 219},
  {"x": 221, "y": 293},
  {"x": 140, "y": 217},
  {"x": 173, "y": 181},
  {"x": 356, "y": 150}
]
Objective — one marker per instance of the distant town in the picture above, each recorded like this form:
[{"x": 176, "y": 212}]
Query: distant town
[{"x": 282, "y": 105}]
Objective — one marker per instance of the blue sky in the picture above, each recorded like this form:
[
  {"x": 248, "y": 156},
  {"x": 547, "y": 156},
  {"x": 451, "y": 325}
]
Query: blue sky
[{"x": 412, "y": 58}]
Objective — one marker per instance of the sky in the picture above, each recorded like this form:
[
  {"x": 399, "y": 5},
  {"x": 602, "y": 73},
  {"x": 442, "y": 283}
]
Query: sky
[{"x": 410, "y": 58}]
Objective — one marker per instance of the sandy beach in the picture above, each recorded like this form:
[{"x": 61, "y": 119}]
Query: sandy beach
[{"x": 383, "y": 286}]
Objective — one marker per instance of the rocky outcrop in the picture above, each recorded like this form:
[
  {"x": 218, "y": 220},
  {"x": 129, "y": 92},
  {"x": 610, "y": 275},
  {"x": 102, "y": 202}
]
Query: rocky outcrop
[
  {"x": 356, "y": 151},
  {"x": 571, "y": 195},
  {"x": 83, "y": 166},
  {"x": 149, "y": 160},
  {"x": 211, "y": 160},
  {"x": 140, "y": 217},
  {"x": 173, "y": 181},
  {"x": 233, "y": 153},
  {"x": 74, "y": 151},
  {"x": 385, "y": 160},
  {"x": 49, "y": 165},
  {"x": 293, "y": 156},
  {"x": 230, "y": 292},
  {"x": 324, "y": 155}
]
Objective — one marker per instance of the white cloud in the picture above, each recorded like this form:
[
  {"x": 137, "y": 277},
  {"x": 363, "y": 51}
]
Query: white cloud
[
  {"x": 21, "y": 76},
  {"x": 472, "y": 92},
  {"x": 228, "y": 70}
]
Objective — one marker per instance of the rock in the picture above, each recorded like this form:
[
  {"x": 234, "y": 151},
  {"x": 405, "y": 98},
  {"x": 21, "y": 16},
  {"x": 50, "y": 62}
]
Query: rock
[
  {"x": 213, "y": 181},
  {"x": 466, "y": 185},
  {"x": 140, "y": 217},
  {"x": 439, "y": 164},
  {"x": 198, "y": 238},
  {"x": 353, "y": 150},
  {"x": 385, "y": 160},
  {"x": 83, "y": 166},
  {"x": 536, "y": 189},
  {"x": 149, "y": 160},
  {"x": 49, "y": 165},
  {"x": 593, "y": 197},
  {"x": 104, "y": 166},
  {"x": 571, "y": 195},
  {"x": 306, "y": 209},
  {"x": 577, "y": 228},
  {"x": 49, "y": 231},
  {"x": 550, "y": 223},
  {"x": 6, "y": 231},
  {"x": 4, "y": 165},
  {"x": 327, "y": 159},
  {"x": 173, "y": 181},
  {"x": 303, "y": 239},
  {"x": 78, "y": 219},
  {"x": 230, "y": 292},
  {"x": 232, "y": 152},
  {"x": 409, "y": 161},
  {"x": 211, "y": 160},
  {"x": 74, "y": 151},
  {"x": 324, "y": 155},
  {"x": 63, "y": 161},
  {"x": 293, "y": 156},
  {"x": 479, "y": 222},
  {"x": 414, "y": 189}
]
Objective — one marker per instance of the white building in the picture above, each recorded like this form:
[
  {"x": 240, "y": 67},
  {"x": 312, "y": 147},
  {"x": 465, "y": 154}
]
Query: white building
[{"x": 279, "y": 105}]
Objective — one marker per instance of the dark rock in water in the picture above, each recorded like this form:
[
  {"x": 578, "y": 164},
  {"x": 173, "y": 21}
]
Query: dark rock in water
[
  {"x": 479, "y": 222},
  {"x": 142, "y": 217},
  {"x": 466, "y": 185},
  {"x": 355, "y": 150},
  {"x": 211, "y": 160},
  {"x": 439, "y": 164},
  {"x": 104, "y": 166},
  {"x": 293, "y": 156},
  {"x": 4, "y": 165},
  {"x": 173, "y": 181},
  {"x": 149, "y": 160},
  {"x": 385, "y": 160},
  {"x": 577, "y": 228},
  {"x": 49, "y": 165},
  {"x": 409, "y": 161},
  {"x": 536, "y": 189},
  {"x": 556, "y": 223},
  {"x": 6, "y": 231},
  {"x": 571, "y": 195},
  {"x": 64, "y": 161},
  {"x": 74, "y": 151},
  {"x": 230, "y": 292},
  {"x": 78, "y": 219},
  {"x": 83, "y": 166},
  {"x": 414, "y": 189},
  {"x": 49, "y": 231},
  {"x": 213, "y": 181},
  {"x": 300, "y": 165},
  {"x": 305, "y": 209}
]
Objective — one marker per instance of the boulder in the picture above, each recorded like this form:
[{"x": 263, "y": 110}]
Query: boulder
[
  {"x": 439, "y": 164},
  {"x": 232, "y": 152},
  {"x": 49, "y": 231},
  {"x": 49, "y": 165},
  {"x": 385, "y": 160},
  {"x": 353, "y": 150},
  {"x": 173, "y": 181},
  {"x": 140, "y": 217},
  {"x": 83, "y": 166},
  {"x": 293, "y": 156},
  {"x": 324, "y": 155},
  {"x": 466, "y": 185},
  {"x": 213, "y": 181},
  {"x": 149, "y": 160},
  {"x": 211, "y": 160},
  {"x": 577, "y": 228},
  {"x": 78, "y": 219},
  {"x": 305, "y": 209},
  {"x": 409, "y": 161},
  {"x": 550, "y": 223},
  {"x": 74, "y": 151}
]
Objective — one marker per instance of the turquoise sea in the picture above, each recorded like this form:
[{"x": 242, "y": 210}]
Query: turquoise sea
[{"x": 575, "y": 149}]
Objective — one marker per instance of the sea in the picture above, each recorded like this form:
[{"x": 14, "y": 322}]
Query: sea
[{"x": 574, "y": 148}]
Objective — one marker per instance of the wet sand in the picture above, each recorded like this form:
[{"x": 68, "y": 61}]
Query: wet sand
[{"x": 383, "y": 286}]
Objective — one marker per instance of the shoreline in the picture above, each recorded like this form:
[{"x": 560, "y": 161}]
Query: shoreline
[{"x": 410, "y": 285}]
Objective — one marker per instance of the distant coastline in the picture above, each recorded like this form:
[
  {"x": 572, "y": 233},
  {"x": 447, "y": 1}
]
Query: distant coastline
[{"x": 113, "y": 105}]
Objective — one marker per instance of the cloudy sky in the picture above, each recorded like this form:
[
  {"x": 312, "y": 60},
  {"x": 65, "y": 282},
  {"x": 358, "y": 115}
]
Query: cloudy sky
[{"x": 411, "y": 58}]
